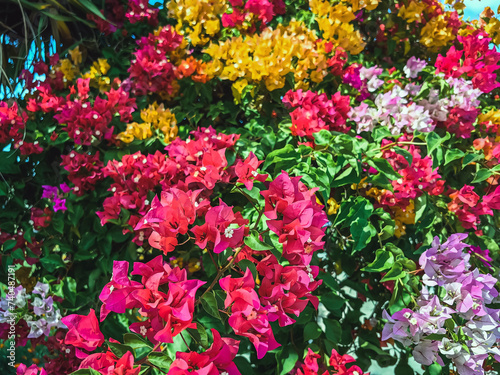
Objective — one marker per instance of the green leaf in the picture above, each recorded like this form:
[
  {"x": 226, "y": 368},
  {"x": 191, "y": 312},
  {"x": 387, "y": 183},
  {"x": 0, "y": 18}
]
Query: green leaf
[
  {"x": 323, "y": 137},
  {"x": 312, "y": 331},
  {"x": 160, "y": 359},
  {"x": 349, "y": 176},
  {"x": 395, "y": 273},
  {"x": 119, "y": 349},
  {"x": 362, "y": 232},
  {"x": 470, "y": 158},
  {"x": 135, "y": 341},
  {"x": 383, "y": 166},
  {"x": 452, "y": 154},
  {"x": 52, "y": 262},
  {"x": 405, "y": 153},
  {"x": 381, "y": 132},
  {"x": 58, "y": 223},
  {"x": 481, "y": 175},
  {"x": 69, "y": 289},
  {"x": 435, "y": 336},
  {"x": 88, "y": 5},
  {"x": 203, "y": 335},
  {"x": 209, "y": 303},
  {"x": 246, "y": 263},
  {"x": 420, "y": 207},
  {"x": 434, "y": 141},
  {"x": 286, "y": 359},
  {"x": 333, "y": 330},
  {"x": 285, "y": 153},
  {"x": 8, "y": 163},
  {"x": 351, "y": 210},
  {"x": 253, "y": 242},
  {"x": 332, "y": 301},
  {"x": 433, "y": 369},
  {"x": 383, "y": 261}
]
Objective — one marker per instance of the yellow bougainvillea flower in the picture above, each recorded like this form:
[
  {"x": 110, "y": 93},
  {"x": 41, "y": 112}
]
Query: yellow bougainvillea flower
[
  {"x": 333, "y": 206},
  {"x": 102, "y": 66},
  {"x": 157, "y": 120},
  {"x": 76, "y": 55},
  {"x": 197, "y": 20},
  {"x": 334, "y": 23},
  {"x": 436, "y": 33},
  {"x": 412, "y": 12},
  {"x": 403, "y": 217},
  {"x": 269, "y": 57}
]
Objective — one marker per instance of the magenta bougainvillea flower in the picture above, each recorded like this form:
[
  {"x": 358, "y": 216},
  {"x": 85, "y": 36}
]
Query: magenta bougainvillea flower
[{"x": 83, "y": 333}]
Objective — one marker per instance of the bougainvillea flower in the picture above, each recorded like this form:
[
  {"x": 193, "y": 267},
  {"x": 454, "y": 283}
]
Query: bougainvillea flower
[
  {"x": 22, "y": 369},
  {"x": 83, "y": 332}
]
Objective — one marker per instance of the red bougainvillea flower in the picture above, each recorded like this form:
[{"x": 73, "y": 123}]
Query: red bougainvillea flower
[
  {"x": 116, "y": 295},
  {"x": 248, "y": 318},
  {"x": 296, "y": 218},
  {"x": 99, "y": 361},
  {"x": 314, "y": 112},
  {"x": 222, "y": 353},
  {"x": 169, "y": 217},
  {"x": 310, "y": 365},
  {"x": 84, "y": 332},
  {"x": 222, "y": 229},
  {"x": 108, "y": 364},
  {"x": 338, "y": 362},
  {"x": 246, "y": 170}
]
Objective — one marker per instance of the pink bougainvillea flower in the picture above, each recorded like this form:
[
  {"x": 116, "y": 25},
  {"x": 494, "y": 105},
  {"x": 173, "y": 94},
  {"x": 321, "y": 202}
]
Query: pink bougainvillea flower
[
  {"x": 222, "y": 229},
  {"x": 101, "y": 362},
  {"x": 32, "y": 370},
  {"x": 222, "y": 353},
  {"x": 84, "y": 332},
  {"x": 116, "y": 295},
  {"x": 192, "y": 363},
  {"x": 246, "y": 170}
]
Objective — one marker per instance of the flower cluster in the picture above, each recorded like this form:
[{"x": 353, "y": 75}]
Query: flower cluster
[
  {"x": 151, "y": 69},
  {"x": 85, "y": 170},
  {"x": 52, "y": 193},
  {"x": 337, "y": 362},
  {"x": 453, "y": 308},
  {"x": 194, "y": 164},
  {"x": 295, "y": 217},
  {"x": 114, "y": 13},
  {"x": 197, "y": 21},
  {"x": 83, "y": 333},
  {"x": 140, "y": 11},
  {"x": 32, "y": 370},
  {"x": 12, "y": 129},
  {"x": 86, "y": 122},
  {"x": 42, "y": 218},
  {"x": 36, "y": 309},
  {"x": 417, "y": 177},
  {"x": 109, "y": 363},
  {"x": 335, "y": 23},
  {"x": 477, "y": 60},
  {"x": 97, "y": 75},
  {"x": 270, "y": 56},
  {"x": 165, "y": 298},
  {"x": 218, "y": 359},
  {"x": 395, "y": 111},
  {"x": 245, "y": 15},
  {"x": 193, "y": 68},
  {"x": 156, "y": 118},
  {"x": 466, "y": 205},
  {"x": 315, "y": 112}
]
